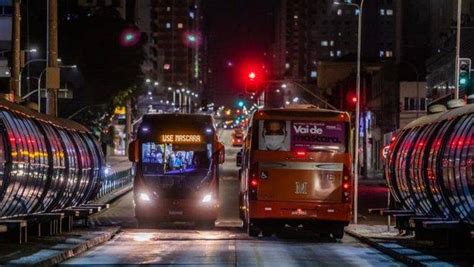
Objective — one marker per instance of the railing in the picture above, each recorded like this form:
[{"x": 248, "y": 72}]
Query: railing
[{"x": 115, "y": 181}]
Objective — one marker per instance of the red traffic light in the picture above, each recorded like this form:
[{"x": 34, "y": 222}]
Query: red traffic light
[
  {"x": 252, "y": 75},
  {"x": 354, "y": 99}
]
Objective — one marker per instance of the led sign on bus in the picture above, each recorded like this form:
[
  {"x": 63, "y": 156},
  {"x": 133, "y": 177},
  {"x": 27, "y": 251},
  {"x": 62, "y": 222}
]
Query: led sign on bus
[{"x": 181, "y": 138}]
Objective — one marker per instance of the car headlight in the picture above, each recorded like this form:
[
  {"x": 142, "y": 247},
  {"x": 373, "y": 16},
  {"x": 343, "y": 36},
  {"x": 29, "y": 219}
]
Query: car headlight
[
  {"x": 144, "y": 197},
  {"x": 207, "y": 198}
]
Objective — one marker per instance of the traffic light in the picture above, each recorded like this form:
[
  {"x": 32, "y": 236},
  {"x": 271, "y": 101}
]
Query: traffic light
[
  {"x": 464, "y": 72},
  {"x": 252, "y": 76}
]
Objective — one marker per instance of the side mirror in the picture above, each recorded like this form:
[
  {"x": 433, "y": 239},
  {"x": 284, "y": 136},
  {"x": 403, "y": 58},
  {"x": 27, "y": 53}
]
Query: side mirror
[
  {"x": 238, "y": 159},
  {"x": 133, "y": 151},
  {"x": 220, "y": 153}
]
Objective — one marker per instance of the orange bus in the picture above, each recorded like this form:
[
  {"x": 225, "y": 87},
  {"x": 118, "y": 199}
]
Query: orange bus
[
  {"x": 176, "y": 160},
  {"x": 296, "y": 171}
]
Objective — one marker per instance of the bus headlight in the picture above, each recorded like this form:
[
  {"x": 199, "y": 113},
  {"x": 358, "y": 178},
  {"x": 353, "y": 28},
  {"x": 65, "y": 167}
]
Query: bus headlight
[
  {"x": 207, "y": 198},
  {"x": 144, "y": 197}
]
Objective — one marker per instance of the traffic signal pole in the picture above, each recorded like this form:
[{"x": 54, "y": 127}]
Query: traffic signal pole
[
  {"x": 15, "y": 86},
  {"x": 458, "y": 49},
  {"x": 52, "y": 72}
]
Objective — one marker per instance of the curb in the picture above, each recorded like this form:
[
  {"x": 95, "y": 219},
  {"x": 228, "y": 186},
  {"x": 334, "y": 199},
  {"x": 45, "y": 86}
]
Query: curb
[
  {"x": 71, "y": 252},
  {"x": 397, "y": 256}
]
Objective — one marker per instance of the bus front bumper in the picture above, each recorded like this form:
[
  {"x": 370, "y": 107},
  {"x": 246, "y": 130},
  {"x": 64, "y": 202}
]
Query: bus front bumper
[
  {"x": 176, "y": 210},
  {"x": 300, "y": 211}
]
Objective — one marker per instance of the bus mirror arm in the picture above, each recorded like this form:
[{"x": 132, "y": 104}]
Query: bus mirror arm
[{"x": 133, "y": 151}]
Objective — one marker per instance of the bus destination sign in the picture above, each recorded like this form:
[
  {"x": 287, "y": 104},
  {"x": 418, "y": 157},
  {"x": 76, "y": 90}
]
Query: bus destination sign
[{"x": 181, "y": 138}]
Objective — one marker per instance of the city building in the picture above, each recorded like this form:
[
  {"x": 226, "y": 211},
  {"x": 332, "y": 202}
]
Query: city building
[
  {"x": 441, "y": 65},
  {"x": 176, "y": 43},
  {"x": 172, "y": 68},
  {"x": 308, "y": 32}
]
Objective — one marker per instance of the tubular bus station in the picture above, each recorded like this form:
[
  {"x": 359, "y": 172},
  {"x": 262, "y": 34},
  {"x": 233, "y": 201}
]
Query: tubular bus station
[
  {"x": 430, "y": 172},
  {"x": 47, "y": 165}
]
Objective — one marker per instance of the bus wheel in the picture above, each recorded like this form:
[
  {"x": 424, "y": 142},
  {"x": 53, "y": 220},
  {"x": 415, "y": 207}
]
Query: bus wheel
[
  {"x": 252, "y": 229},
  {"x": 338, "y": 234},
  {"x": 266, "y": 232}
]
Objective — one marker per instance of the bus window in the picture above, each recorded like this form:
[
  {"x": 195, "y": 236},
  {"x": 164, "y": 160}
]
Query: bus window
[
  {"x": 162, "y": 159},
  {"x": 285, "y": 135}
]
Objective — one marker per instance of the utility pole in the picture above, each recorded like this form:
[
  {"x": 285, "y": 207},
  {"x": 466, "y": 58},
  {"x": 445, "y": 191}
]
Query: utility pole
[
  {"x": 52, "y": 71},
  {"x": 458, "y": 50},
  {"x": 15, "y": 88}
]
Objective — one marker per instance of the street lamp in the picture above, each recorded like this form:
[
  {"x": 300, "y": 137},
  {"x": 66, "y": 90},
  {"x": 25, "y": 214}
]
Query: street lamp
[
  {"x": 357, "y": 115},
  {"x": 38, "y": 90}
]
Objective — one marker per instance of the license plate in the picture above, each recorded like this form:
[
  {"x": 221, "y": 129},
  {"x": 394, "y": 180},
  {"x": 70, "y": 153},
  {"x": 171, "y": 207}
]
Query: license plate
[
  {"x": 299, "y": 212},
  {"x": 174, "y": 212}
]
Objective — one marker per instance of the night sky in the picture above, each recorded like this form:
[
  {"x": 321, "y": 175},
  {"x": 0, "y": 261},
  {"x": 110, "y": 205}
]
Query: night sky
[{"x": 238, "y": 31}]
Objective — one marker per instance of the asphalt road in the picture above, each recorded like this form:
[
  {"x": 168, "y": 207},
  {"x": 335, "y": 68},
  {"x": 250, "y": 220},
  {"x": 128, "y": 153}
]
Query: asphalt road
[{"x": 221, "y": 247}]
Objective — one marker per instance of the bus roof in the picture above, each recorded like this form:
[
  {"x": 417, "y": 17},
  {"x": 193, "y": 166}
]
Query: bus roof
[
  {"x": 302, "y": 112},
  {"x": 177, "y": 121},
  {"x": 436, "y": 117}
]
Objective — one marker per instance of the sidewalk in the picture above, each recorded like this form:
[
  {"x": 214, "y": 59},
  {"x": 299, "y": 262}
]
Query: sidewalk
[
  {"x": 51, "y": 250},
  {"x": 407, "y": 249}
]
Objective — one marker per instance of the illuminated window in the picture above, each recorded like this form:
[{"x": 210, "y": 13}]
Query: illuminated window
[
  {"x": 295, "y": 16},
  {"x": 166, "y": 66},
  {"x": 331, "y": 53},
  {"x": 332, "y": 43},
  {"x": 339, "y": 12},
  {"x": 180, "y": 25},
  {"x": 191, "y": 14},
  {"x": 287, "y": 65},
  {"x": 357, "y": 11},
  {"x": 388, "y": 53},
  {"x": 338, "y": 53},
  {"x": 381, "y": 53},
  {"x": 168, "y": 8},
  {"x": 314, "y": 74},
  {"x": 389, "y": 12},
  {"x": 382, "y": 12},
  {"x": 324, "y": 43},
  {"x": 168, "y": 25}
]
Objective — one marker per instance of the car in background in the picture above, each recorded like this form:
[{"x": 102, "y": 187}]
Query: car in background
[{"x": 237, "y": 137}]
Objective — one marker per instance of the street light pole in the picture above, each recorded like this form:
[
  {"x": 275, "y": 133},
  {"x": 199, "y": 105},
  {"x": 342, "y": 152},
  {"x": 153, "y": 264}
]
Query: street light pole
[
  {"x": 458, "y": 50},
  {"x": 357, "y": 119},
  {"x": 357, "y": 115}
]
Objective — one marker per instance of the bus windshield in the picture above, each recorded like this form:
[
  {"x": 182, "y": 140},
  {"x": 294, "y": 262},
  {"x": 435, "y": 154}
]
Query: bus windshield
[
  {"x": 174, "y": 159},
  {"x": 299, "y": 135}
]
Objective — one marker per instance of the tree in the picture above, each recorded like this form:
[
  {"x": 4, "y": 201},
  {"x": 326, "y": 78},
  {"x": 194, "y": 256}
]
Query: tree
[{"x": 109, "y": 67}]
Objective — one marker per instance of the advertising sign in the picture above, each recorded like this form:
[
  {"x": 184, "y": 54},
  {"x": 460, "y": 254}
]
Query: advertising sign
[
  {"x": 306, "y": 134},
  {"x": 281, "y": 135}
]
